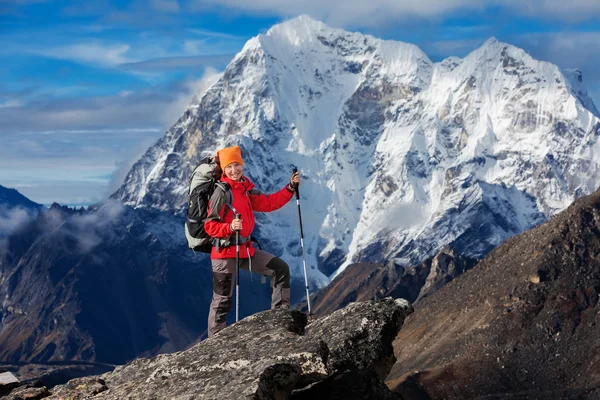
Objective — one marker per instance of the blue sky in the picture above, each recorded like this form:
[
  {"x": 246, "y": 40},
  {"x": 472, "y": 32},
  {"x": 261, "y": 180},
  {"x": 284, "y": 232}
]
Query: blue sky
[{"x": 86, "y": 87}]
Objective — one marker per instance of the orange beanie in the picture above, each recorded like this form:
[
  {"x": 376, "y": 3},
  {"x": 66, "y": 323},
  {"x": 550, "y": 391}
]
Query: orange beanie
[{"x": 229, "y": 155}]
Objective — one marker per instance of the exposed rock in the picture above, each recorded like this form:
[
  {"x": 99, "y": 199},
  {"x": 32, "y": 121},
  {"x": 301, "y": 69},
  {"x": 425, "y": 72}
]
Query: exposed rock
[
  {"x": 7, "y": 378},
  {"x": 7, "y": 382},
  {"x": 445, "y": 266},
  {"x": 351, "y": 385},
  {"x": 28, "y": 393},
  {"x": 267, "y": 356},
  {"x": 523, "y": 323},
  {"x": 81, "y": 388},
  {"x": 360, "y": 335},
  {"x": 52, "y": 374},
  {"x": 370, "y": 281}
]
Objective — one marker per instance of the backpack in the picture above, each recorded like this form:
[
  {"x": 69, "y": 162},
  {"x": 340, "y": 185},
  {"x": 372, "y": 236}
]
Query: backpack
[{"x": 203, "y": 182}]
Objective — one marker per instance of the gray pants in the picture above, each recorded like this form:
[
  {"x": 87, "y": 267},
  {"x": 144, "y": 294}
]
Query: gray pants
[{"x": 223, "y": 273}]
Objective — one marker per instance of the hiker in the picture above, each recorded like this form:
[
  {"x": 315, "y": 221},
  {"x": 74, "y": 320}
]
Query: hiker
[{"x": 222, "y": 224}]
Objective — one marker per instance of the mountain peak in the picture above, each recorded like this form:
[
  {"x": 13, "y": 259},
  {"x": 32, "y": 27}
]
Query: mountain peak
[
  {"x": 492, "y": 41},
  {"x": 299, "y": 30},
  {"x": 494, "y": 49},
  {"x": 12, "y": 198},
  {"x": 301, "y": 22}
]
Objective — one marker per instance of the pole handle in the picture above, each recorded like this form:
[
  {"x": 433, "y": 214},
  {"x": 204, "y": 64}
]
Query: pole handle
[
  {"x": 298, "y": 188},
  {"x": 238, "y": 216}
]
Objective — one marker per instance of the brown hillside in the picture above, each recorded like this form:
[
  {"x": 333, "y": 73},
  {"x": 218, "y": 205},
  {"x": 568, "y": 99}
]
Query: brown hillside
[
  {"x": 371, "y": 281},
  {"x": 524, "y": 321}
]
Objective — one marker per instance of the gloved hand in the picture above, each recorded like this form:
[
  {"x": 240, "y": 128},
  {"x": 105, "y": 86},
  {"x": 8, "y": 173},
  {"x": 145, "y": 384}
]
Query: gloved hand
[{"x": 295, "y": 181}]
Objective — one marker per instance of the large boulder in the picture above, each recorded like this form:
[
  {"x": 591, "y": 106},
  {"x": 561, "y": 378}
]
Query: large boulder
[{"x": 270, "y": 355}]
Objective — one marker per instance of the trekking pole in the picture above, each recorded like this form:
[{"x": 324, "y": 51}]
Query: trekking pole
[
  {"x": 237, "y": 272},
  {"x": 302, "y": 243}
]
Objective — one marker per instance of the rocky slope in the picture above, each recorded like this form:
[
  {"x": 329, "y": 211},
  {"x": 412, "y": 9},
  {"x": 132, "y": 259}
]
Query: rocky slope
[
  {"x": 367, "y": 281},
  {"x": 524, "y": 322},
  {"x": 401, "y": 156},
  {"x": 270, "y": 355}
]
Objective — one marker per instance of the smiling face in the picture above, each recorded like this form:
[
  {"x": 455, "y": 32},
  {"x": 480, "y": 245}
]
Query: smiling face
[{"x": 234, "y": 171}]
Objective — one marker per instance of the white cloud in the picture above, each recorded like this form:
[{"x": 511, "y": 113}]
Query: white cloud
[
  {"x": 215, "y": 34},
  {"x": 11, "y": 103},
  {"x": 58, "y": 146},
  {"x": 12, "y": 219},
  {"x": 194, "y": 63},
  {"x": 96, "y": 54},
  {"x": 193, "y": 47},
  {"x": 568, "y": 11},
  {"x": 360, "y": 13},
  {"x": 90, "y": 113},
  {"x": 191, "y": 88},
  {"x": 124, "y": 164},
  {"x": 91, "y": 228}
]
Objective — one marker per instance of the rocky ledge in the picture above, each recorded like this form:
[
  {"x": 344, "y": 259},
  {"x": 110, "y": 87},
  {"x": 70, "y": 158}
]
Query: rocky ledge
[{"x": 270, "y": 355}]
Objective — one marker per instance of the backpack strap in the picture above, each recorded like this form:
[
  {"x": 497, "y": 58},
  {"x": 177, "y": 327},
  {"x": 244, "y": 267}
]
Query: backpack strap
[{"x": 226, "y": 189}]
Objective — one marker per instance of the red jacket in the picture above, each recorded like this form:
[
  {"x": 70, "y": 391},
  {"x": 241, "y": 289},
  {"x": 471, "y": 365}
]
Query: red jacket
[{"x": 245, "y": 200}]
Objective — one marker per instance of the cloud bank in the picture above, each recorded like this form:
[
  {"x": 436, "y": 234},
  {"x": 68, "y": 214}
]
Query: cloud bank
[{"x": 359, "y": 13}]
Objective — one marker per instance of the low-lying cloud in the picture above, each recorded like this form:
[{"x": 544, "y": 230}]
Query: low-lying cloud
[
  {"x": 11, "y": 219},
  {"x": 91, "y": 228}
]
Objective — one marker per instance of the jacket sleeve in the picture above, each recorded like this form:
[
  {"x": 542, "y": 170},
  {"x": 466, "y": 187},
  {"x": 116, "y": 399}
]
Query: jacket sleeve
[
  {"x": 214, "y": 224},
  {"x": 270, "y": 202}
]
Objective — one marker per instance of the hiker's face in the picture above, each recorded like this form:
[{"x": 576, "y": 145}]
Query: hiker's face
[{"x": 234, "y": 171}]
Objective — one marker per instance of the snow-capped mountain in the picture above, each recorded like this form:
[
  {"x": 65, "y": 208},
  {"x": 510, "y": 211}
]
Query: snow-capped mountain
[{"x": 400, "y": 155}]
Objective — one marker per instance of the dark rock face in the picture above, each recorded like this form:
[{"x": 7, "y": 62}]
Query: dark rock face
[
  {"x": 368, "y": 281},
  {"x": 10, "y": 198},
  {"x": 270, "y": 355},
  {"x": 523, "y": 322},
  {"x": 361, "y": 384}
]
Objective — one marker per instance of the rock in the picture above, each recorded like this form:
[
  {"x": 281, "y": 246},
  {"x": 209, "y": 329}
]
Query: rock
[
  {"x": 7, "y": 383},
  {"x": 7, "y": 378},
  {"x": 360, "y": 335},
  {"x": 266, "y": 356},
  {"x": 351, "y": 385},
  {"x": 28, "y": 393},
  {"x": 445, "y": 266},
  {"x": 80, "y": 388}
]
